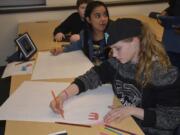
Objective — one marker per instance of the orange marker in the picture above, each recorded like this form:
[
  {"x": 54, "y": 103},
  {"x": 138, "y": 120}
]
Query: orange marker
[{"x": 54, "y": 96}]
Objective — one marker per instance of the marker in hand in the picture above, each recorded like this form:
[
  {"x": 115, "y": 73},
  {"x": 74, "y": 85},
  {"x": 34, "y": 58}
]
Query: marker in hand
[{"x": 57, "y": 104}]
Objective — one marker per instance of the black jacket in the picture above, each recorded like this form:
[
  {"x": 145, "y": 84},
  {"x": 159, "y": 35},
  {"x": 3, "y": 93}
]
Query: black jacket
[
  {"x": 73, "y": 24},
  {"x": 174, "y": 8},
  {"x": 160, "y": 99}
]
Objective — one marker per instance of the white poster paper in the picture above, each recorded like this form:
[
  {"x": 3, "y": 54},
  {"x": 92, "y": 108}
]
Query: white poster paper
[
  {"x": 18, "y": 68},
  {"x": 65, "y": 65},
  {"x": 30, "y": 102}
]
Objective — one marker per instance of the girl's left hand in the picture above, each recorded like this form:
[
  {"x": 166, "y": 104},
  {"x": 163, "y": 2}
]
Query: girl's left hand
[{"x": 123, "y": 112}]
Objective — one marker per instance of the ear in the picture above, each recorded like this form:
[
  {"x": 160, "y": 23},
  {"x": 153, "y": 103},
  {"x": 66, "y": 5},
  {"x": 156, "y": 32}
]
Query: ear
[
  {"x": 136, "y": 42},
  {"x": 136, "y": 39}
]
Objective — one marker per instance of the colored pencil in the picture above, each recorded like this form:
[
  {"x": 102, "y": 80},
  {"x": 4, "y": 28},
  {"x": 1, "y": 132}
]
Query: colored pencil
[
  {"x": 59, "y": 133},
  {"x": 73, "y": 124},
  {"x": 121, "y": 130},
  {"x": 112, "y": 130},
  {"x": 54, "y": 96}
]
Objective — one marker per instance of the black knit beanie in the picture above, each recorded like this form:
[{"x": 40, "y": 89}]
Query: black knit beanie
[{"x": 123, "y": 28}]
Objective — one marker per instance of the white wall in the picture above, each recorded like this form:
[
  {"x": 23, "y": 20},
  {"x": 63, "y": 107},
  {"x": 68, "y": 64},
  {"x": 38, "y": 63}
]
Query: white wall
[{"x": 9, "y": 22}]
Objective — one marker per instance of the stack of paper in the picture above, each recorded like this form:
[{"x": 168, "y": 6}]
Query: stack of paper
[{"x": 18, "y": 68}]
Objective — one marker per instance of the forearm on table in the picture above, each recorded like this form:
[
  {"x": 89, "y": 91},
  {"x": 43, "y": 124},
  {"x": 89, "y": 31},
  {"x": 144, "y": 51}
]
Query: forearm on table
[
  {"x": 70, "y": 91},
  {"x": 138, "y": 113}
]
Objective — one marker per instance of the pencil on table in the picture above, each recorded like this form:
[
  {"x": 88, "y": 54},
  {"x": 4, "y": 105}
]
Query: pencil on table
[
  {"x": 24, "y": 62},
  {"x": 74, "y": 124},
  {"x": 54, "y": 96},
  {"x": 112, "y": 130},
  {"x": 118, "y": 129}
]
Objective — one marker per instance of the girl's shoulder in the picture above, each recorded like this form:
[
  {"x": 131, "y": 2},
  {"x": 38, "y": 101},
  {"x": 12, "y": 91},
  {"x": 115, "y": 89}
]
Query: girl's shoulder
[
  {"x": 126, "y": 70},
  {"x": 161, "y": 77},
  {"x": 75, "y": 15}
]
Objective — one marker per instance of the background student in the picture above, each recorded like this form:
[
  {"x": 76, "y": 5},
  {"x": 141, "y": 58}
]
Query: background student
[
  {"x": 171, "y": 36},
  {"x": 92, "y": 38},
  {"x": 141, "y": 76},
  {"x": 173, "y": 9},
  {"x": 73, "y": 24}
]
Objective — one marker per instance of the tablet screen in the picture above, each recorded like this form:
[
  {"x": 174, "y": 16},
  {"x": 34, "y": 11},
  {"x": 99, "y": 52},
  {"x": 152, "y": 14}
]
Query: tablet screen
[{"x": 26, "y": 45}]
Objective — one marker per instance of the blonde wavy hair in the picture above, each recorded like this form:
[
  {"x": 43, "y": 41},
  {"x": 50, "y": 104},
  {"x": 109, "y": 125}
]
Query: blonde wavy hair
[{"x": 150, "y": 48}]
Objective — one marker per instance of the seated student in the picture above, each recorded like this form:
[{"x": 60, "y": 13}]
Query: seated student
[
  {"x": 173, "y": 9},
  {"x": 73, "y": 24},
  {"x": 171, "y": 37},
  {"x": 92, "y": 38},
  {"x": 141, "y": 76},
  {"x": 171, "y": 41}
]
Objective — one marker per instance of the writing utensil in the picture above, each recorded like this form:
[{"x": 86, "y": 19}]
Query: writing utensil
[
  {"x": 28, "y": 65},
  {"x": 24, "y": 62},
  {"x": 118, "y": 129},
  {"x": 111, "y": 130},
  {"x": 59, "y": 133},
  {"x": 42, "y": 22},
  {"x": 74, "y": 124},
  {"x": 54, "y": 96}
]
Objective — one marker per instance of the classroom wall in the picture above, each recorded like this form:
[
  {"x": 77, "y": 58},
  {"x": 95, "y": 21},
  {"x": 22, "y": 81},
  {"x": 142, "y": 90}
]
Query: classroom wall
[{"x": 9, "y": 22}]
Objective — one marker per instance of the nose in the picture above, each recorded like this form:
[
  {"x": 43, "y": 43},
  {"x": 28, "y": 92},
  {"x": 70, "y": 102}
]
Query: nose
[{"x": 104, "y": 19}]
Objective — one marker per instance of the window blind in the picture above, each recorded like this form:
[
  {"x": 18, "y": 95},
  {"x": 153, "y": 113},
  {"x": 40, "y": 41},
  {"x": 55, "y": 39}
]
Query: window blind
[{"x": 21, "y": 3}]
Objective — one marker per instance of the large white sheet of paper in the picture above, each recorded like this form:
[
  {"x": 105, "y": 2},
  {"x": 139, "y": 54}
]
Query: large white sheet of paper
[
  {"x": 15, "y": 68},
  {"x": 65, "y": 65},
  {"x": 30, "y": 102}
]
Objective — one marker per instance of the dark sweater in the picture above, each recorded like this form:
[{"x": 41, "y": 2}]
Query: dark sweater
[
  {"x": 73, "y": 24},
  {"x": 174, "y": 8},
  {"x": 160, "y": 99}
]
